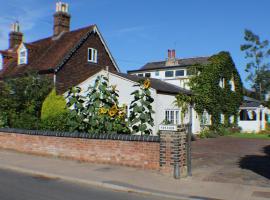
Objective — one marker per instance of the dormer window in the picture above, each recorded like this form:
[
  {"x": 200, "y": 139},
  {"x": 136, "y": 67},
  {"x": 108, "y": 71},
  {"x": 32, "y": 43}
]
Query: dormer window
[
  {"x": 92, "y": 55},
  {"x": 1, "y": 61},
  {"x": 22, "y": 55}
]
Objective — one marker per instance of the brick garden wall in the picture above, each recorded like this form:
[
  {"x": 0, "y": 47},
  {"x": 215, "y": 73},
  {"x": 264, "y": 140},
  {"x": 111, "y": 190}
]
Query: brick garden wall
[{"x": 145, "y": 152}]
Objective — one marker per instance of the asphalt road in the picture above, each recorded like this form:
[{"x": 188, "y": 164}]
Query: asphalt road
[{"x": 17, "y": 186}]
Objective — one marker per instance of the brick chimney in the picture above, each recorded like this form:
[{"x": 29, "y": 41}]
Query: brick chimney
[
  {"x": 61, "y": 19},
  {"x": 171, "y": 60},
  {"x": 15, "y": 36}
]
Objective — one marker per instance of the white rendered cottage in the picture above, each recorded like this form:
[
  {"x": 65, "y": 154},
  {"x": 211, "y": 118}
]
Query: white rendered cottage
[{"x": 162, "y": 92}]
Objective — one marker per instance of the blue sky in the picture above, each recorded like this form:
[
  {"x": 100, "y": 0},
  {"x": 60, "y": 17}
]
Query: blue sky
[{"x": 140, "y": 31}]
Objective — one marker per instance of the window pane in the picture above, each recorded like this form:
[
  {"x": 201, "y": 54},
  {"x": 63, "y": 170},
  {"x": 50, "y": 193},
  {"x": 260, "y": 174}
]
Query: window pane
[
  {"x": 169, "y": 74},
  {"x": 180, "y": 73},
  {"x": 157, "y": 73},
  {"x": 140, "y": 75},
  {"x": 172, "y": 117},
  {"x": 177, "y": 117},
  {"x": 148, "y": 75},
  {"x": 90, "y": 58}
]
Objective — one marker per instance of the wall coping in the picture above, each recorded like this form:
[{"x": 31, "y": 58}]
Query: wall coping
[{"x": 120, "y": 137}]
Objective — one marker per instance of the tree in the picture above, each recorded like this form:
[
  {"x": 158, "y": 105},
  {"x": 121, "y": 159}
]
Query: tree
[
  {"x": 257, "y": 53},
  {"x": 140, "y": 118},
  {"x": 23, "y": 98}
]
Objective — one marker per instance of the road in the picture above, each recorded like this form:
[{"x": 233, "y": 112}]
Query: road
[{"x": 17, "y": 186}]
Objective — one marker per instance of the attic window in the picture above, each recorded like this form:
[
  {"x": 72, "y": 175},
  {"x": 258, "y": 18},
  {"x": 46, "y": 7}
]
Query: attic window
[
  {"x": 22, "y": 55},
  {"x": 1, "y": 61},
  {"x": 92, "y": 55}
]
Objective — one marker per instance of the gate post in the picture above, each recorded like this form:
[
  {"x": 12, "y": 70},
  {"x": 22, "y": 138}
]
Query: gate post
[{"x": 173, "y": 152}]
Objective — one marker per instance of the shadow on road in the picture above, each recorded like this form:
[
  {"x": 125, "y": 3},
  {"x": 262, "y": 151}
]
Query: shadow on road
[{"x": 259, "y": 164}]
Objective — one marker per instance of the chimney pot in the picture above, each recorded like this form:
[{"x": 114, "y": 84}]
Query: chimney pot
[
  {"x": 173, "y": 54},
  {"x": 169, "y": 54},
  {"x": 15, "y": 36},
  {"x": 61, "y": 18}
]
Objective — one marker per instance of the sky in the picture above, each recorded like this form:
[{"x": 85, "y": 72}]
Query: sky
[{"x": 141, "y": 31}]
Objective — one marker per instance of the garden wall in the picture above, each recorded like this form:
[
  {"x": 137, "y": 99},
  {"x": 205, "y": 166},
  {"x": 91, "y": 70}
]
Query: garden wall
[{"x": 145, "y": 152}]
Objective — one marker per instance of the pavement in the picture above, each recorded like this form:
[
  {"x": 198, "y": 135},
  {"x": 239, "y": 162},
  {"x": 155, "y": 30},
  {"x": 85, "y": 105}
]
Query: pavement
[{"x": 129, "y": 179}]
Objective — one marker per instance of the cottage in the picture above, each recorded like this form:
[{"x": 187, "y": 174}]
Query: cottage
[
  {"x": 162, "y": 92},
  {"x": 67, "y": 57}
]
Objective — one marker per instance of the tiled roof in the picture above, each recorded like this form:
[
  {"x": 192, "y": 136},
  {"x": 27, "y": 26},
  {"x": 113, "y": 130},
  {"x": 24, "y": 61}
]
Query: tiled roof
[
  {"x": 160, "y": 86},
  {"x": 46, "y": 54},
  {"x": 181, "y": 63},
  {"x": 250, "y": 102}
]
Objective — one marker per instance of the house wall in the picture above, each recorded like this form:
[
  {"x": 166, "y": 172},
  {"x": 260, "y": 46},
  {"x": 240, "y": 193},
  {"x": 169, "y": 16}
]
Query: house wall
[
  {"x": 124, "y": 87},
  {"x": 180, "y": 81},
  {"x": 78, "y": 69},
  {"x": 253, "y": 126}
]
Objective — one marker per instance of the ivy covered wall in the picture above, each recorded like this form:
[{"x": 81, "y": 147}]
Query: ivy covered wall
[{"x": 217, "y": 88}]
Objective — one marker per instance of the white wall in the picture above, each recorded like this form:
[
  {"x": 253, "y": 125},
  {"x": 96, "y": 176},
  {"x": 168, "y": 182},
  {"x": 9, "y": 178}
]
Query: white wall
[
  {"x": 254, "y": 126},
  {"x": 160, "y": 104}
]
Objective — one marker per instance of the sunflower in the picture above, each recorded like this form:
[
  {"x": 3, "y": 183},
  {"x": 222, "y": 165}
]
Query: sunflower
[
  {"x": 102, "y": 111},
  {"x": 146, "y": 84},
  {"x": 114, "y": 88},
  {"x": 113, "y": 111}
]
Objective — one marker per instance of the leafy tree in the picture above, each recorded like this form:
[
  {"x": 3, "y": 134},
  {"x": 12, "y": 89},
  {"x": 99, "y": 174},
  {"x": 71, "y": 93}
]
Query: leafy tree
[
  {"x": 23, "y": 98},
  {"x": 141, "y": 109},
  {"x": 257, "y": 53},
  {"x": 98, "y": 111}
]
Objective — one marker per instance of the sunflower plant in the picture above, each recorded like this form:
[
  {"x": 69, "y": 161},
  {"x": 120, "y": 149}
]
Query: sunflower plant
[
  {"x": 141, "y": 119},
  {"x": 101, "y": 111}
]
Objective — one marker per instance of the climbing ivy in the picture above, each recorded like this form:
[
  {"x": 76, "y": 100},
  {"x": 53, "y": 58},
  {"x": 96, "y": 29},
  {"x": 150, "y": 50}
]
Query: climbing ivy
[{"x": 209, "y": 96}]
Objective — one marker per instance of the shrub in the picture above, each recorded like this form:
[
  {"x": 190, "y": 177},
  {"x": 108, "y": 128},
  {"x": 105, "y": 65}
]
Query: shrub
[
  {"x": 206, "y": 133},
  {"x": 25, "y": 121},
  {"x": 53, "y": 106},
  {"x": 58, "y": 122}
]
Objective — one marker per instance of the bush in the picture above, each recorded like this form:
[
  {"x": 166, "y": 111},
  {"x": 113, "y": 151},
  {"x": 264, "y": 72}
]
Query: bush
[
  {"x": 58, "y": 122},
  {"x": 206, "y": 133},
  {"x": 25, "y": 121},
  {"x": 53, "y": 106}
]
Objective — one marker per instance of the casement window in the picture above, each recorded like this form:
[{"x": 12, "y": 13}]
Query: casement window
[
  {"x": 222, "y": 83},
  {"x": 232, "y": 85},
  {"x": 169, "y": 74},
  {"x": 172, "y": 116},
  {"x": 1, "y": 61},
  {"x": 156, "y": 73},
  {"x": 22, "y": 55},
  {"x": 148, "y": 75},
  {"x": 180, "y": 73},
  {"x": 140, "y": 75},
  {"x": 92, "y": 55}
]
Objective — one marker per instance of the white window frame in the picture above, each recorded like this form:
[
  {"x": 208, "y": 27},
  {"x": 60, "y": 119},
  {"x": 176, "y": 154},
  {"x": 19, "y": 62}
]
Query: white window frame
[
  {"x": 173, "y": 116},
  {"x": 22, "y": 59},
  {"x": 232, "y": 85},
  {"x": 1, "y": 61},
  {"x": 94, "y": 55}
]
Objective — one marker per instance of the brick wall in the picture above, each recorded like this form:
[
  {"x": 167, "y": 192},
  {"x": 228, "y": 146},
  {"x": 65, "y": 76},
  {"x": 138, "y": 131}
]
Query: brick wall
[{"x": 145, "y": 152}]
